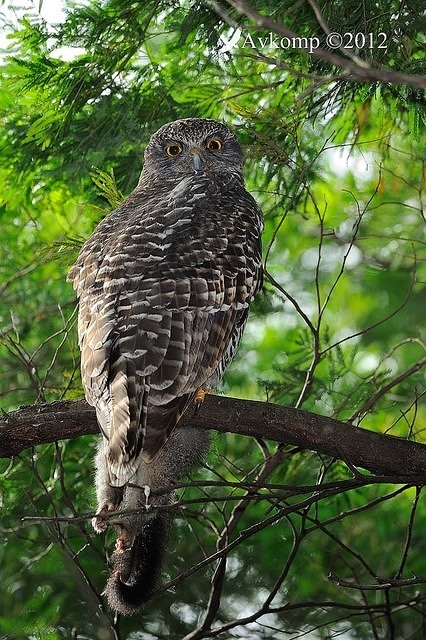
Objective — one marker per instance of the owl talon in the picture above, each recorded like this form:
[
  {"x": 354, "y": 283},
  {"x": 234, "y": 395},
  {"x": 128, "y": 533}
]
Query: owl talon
[
  {"x": 200, "y": 394},
  {"x": 147, "y": 492}
]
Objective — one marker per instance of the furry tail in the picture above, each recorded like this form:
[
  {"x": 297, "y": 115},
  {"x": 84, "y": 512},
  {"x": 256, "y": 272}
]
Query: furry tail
[
  {"x": 135, "y": 572},
  {"x": 144, "y": 532}
]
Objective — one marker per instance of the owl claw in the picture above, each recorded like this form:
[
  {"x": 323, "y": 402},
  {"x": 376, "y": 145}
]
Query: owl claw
[
  {"x": 200, "y": 394},
  {"x": 147, "y": 492}
]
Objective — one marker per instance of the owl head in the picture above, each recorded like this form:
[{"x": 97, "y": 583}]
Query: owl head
[{"x": 189, "y": 146}]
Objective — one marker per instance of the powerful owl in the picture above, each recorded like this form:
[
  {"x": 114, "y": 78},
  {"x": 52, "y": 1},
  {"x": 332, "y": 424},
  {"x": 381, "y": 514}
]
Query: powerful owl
[{"x": 164, "y": 286}]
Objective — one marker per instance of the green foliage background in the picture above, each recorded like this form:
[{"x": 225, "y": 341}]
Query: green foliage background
[{"x": 339, "y": 171}]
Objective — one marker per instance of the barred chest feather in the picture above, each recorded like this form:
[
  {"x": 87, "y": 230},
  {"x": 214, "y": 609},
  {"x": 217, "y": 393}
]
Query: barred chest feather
[{"x": 164, "y": 283}]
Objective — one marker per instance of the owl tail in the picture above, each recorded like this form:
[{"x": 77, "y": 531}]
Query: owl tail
[{"x": 145, "y": 528}]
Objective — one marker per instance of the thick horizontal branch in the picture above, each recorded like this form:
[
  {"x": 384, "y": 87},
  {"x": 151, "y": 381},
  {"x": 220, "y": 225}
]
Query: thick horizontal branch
[{"x": 380, "y": 454}]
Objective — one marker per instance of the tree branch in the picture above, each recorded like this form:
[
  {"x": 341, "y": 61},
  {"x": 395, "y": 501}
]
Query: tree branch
[
  {"x": 355, "y": 69},
  {"x": 380, "y": 454}
]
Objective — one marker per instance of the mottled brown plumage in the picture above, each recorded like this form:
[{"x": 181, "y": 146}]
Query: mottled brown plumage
[{"x": 164, "y": 285}]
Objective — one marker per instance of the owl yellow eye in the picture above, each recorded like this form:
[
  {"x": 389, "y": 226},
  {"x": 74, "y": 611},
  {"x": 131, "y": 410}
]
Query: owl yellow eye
[
  {"x": 173, "y": 150},
  {"x": 214, "y": 144}
]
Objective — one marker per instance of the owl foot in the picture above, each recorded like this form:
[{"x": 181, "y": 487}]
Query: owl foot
[{"x": 199, "y": 396}]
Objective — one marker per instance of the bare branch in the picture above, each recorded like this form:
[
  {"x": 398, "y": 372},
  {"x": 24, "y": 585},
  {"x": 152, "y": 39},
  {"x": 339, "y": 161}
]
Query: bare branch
[
  {"x": 377, "y": 453},
  {"x": 381, "y": 586}
]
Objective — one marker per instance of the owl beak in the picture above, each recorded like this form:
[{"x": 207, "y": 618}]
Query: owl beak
[{"x": 197, "y": 159}]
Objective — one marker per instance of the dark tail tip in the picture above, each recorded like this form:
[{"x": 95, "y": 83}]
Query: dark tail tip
[{"x": 135, "y": 572}]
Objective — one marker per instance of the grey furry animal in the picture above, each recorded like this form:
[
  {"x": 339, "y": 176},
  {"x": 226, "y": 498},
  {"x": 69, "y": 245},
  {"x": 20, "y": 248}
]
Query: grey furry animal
[{"x": 164, "y": 285}]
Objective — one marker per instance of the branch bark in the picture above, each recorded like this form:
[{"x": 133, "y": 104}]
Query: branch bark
[{"x": 380, "y": 454}]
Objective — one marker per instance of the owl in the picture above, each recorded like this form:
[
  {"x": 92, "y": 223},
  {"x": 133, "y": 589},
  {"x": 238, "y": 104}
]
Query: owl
[{"x": 164, "y": 285}]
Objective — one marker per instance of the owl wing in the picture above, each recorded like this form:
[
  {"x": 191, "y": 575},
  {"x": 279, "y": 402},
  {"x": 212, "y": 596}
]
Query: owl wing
[{"x": 164, "y": 286}]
